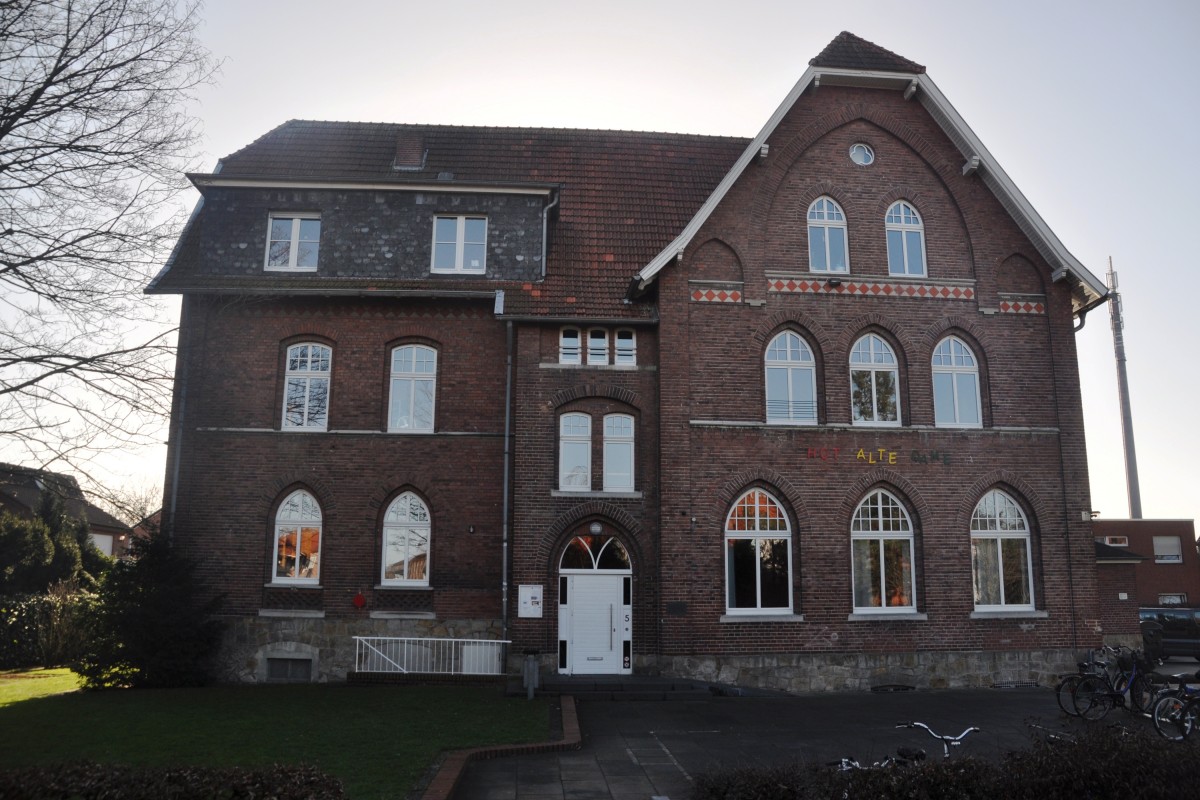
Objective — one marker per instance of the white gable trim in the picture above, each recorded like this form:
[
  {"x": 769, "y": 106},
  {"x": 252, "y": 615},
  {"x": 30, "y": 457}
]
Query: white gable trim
[{"x": 1086, "y": 287}]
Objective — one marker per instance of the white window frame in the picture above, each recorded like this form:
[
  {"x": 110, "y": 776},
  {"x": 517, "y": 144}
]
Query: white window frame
[
  {"x": 294, "y": 241},
  {"x": 1168, "y": 550},
  {"x": 460, "y": 244},
  {"x": 877, "y": 357},
  {"x": 619, "y": 453},
  {"x": 900, "y": 219},
  {"x": 954, "y": 359},
  {"x": 568, "y": 352},
  {"x": 574, "y": 435},
  {"x": 299, "y": 515},
  {"x": 996, "y": 520},
  {"x": 1173, "y": 599},
  {"x": 881, "y": 518},
  {"x": 407, "y": 517},
  {"x": 309, "y": 377},
  {"x": 789, "y": 356},
  {"x": 756, "y": 516},
  {"x": 625, "y": 347},
  {"x": 421, "y": 378},
  {"x": 1115, "y": 541},
  {"x": 826, "y": 215},
  {"x": 597, "y": 347}
]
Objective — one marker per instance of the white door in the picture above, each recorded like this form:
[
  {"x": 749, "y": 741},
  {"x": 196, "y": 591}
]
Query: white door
[{"x": 595, "y": 624}]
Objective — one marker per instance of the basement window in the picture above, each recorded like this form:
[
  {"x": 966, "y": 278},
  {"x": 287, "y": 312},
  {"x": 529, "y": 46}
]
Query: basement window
[{"x": 289, "y": 670}]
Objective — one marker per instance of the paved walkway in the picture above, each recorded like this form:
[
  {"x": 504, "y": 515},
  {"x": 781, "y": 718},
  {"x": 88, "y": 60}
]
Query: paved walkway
[{"x": 653, "y": 749}]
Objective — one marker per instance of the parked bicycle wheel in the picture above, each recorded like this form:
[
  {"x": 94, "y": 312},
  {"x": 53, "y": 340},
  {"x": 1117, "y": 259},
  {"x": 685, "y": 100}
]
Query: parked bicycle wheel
[
  {"x": 1065, "y": 693},
  {"x": 1145, "y": 689},
  {"x": 1093, "y": 697},
  {"x": 1175, "y": 717}
]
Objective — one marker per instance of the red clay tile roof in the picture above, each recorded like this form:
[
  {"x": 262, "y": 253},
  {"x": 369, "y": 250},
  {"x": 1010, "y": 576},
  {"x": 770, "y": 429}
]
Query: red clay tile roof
[
  {"x": 848, "y": 51},
  {"x": 623, "y": 195}
]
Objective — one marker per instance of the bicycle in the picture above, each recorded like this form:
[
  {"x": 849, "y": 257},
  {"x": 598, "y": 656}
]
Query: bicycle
[
  {"x": 1176, "y": 711},
  {"x": 1095, "y": 695},
  {"x": 1093, "y": 664},
  {"x": 946, "y": 740}
]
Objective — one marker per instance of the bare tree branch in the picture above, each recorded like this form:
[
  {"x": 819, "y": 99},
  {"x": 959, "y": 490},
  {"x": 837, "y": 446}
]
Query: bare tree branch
[{"x": 94, "y": 144}]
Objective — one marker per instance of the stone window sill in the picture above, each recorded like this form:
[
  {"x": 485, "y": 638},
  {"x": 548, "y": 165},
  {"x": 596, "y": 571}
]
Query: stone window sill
[
  {"x": 762, "y": 618},
  {"x": 906, "y": 616},
  {"x": 1010, "y": 615},
  {"x": 294, "y": 613},
  {"x": 402, "y": 615}
]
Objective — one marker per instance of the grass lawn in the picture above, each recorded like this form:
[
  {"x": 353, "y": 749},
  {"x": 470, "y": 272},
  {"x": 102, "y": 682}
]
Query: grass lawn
[
  {"x": 21, "y": 685},
  {"x": 379, "y": 740}
]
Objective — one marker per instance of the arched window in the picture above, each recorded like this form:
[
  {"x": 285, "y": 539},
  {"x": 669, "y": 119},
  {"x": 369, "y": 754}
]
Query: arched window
[
  {"x": 1001, "y": 568},
  {"x": 575, "y": 453},
  {"x": 881, "y": 540},
  {"x": 406, "y": 532},
  {"x": 874, "y": 381},
  {"x": 298, "y": 540},
  {"x": 827, "y": 250},
  {"x": 791, "y": 380},
  {"x": 905, "y": 240},
  {"x": 414, "y": 380},
  {"x": 618, "y": 453},
  {"x": 306, "y": 387},
  {"x": 758, "y": 555},
  {"x": 955, "y": 385},
  {"x": 569, "y": 348}
]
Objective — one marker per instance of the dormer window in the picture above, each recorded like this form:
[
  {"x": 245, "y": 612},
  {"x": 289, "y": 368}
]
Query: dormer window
[
  {"x": 460, "y": 245},
  {"x": 293, "y": 242}
]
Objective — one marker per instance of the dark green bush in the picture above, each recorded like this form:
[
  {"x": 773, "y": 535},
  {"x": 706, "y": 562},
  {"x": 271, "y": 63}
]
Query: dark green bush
[
  {"x": 87, "y": 781},
  {"x": 1103, "y": 764},
  {"x": 148, "y": 625}
]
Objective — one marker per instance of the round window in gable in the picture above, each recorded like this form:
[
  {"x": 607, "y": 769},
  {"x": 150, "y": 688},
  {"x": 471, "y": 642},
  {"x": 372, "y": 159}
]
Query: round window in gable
[{"x": 862, "y": 154}]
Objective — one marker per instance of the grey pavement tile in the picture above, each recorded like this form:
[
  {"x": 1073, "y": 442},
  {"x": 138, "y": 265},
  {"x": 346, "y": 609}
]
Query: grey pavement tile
[{"x": 586, "y": 790}]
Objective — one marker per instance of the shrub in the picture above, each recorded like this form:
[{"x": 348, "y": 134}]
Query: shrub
[
  {"x": 86, "y": 781},
  {"x": 43, "y": 630},
  {"x": 148, "y": 627},
  {"x": 1103, "y": 764}
]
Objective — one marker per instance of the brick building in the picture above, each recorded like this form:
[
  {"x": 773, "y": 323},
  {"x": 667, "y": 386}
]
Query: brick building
[
  {"x": 1168, "y": 570},
  {"x": 798, "y": 411}
]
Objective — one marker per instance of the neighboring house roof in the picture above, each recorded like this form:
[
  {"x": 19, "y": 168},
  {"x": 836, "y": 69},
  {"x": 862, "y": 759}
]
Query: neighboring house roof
[
  {"x": 22, "y": 489},
  {"x": 851, "y": 61},
  {"x": 623, "y": 196},
  {"x": 1108, "y": 554}
]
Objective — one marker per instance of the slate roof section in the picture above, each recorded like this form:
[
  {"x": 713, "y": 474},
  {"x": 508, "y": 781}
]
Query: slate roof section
[
  {"x": 622, "y": 195},
  {"x": 848, "y": 51}
]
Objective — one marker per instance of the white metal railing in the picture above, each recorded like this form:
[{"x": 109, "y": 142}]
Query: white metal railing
[{"x": 388, "y": 654}]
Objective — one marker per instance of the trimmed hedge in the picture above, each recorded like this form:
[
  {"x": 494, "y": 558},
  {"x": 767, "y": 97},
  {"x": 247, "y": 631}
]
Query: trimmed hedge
[
  {"x": 1103, "y": 763},
  {"x": 87, "y": 781}
]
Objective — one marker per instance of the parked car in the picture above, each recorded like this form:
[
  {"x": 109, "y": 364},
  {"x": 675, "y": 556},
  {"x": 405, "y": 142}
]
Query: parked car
[{"x": 1171, "y": 631}]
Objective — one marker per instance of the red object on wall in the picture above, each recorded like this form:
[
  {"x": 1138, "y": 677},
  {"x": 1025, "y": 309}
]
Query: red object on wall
[{"x": 359, "y": 601}]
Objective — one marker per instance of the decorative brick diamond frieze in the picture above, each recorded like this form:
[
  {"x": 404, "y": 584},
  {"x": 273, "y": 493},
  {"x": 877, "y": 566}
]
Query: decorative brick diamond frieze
[
  {"x": 707, "y": 292},
  {"x": 1022, "y": 304},
  {"x": 853, "y": 288}
]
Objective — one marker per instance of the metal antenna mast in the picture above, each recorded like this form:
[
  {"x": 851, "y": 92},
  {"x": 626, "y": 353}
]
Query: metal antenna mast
[{"x": 1118, "y": 327}]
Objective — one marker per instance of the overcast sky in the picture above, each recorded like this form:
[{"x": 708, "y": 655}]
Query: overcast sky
[{"x": 1089, "y": 106}]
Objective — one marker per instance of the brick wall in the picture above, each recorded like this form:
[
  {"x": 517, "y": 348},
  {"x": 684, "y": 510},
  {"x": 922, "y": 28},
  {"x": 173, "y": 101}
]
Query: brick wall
[{"x": 1156, "y": 578}]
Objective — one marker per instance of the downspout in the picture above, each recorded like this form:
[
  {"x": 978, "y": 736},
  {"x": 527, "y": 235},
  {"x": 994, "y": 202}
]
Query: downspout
[
  {"x": 546, "y": 229},
  {"x": 508, "y": 377},
  {"x": 1062, "y": 478}
]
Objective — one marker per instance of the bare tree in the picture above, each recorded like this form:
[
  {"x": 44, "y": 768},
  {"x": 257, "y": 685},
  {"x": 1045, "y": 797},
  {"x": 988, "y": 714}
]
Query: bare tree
[{"x": 94, "y": 141}]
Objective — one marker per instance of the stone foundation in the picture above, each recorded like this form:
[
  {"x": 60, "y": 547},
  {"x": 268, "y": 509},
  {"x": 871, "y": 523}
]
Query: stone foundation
[
  {"x": 833, "y": 672},
  {"x": 328, "y": 643}
]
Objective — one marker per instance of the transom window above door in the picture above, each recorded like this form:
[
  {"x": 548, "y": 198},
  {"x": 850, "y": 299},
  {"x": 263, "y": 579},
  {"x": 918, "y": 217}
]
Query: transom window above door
[{"x": 595, "y": 552}]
